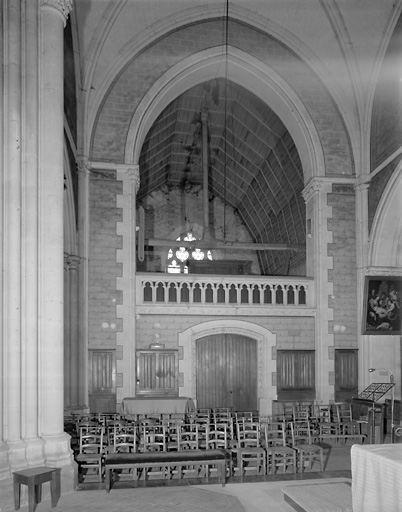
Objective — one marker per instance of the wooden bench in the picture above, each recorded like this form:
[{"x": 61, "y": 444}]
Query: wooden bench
[{"x": 174, "y": 459}]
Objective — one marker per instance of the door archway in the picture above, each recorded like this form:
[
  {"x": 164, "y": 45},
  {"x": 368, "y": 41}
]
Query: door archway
[{"x": 264, "y": 339}]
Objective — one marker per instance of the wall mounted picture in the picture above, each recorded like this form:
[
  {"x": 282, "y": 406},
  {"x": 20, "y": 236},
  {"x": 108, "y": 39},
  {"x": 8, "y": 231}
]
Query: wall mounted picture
[{"x": 382, "y": 305}]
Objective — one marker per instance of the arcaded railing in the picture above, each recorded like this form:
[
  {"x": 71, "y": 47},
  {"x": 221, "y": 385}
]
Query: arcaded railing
[{"x": 208, "y": 290}]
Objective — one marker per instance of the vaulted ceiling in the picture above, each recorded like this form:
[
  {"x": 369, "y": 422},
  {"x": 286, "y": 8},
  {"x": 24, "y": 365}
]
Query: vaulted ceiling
[{"x": 253, "y": 163}]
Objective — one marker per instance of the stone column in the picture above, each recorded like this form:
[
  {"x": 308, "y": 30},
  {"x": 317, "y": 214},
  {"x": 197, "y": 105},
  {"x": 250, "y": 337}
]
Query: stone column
[
  {"x": 51, "y": 407},
  {"x": 11, "y": 206},
  {"x": 130, "y": 177},
  {"x": 30, "y": 190},
  {"x": 71, "y": 339},
  {"x": 362, "y": 249},
  {"x": 318, "y": 264},
  {"x": 67, "y": 335},
  {"x": 83, "y": 168},
  {"x": 4, "y": 465}
]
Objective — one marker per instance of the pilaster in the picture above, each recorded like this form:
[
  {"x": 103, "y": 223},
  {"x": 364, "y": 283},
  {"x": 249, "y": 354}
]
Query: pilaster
[
  {"x": 362, "y": 248},
  {"x": 83, "y": 170},
  {"x": 71, "y": 341},
  {"x": 126, "y": 340},
  {"x": 318, "y": 265}
]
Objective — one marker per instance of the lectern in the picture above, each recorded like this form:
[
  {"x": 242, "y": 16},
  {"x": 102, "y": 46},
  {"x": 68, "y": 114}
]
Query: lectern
[{"x": 367, "y": 410}]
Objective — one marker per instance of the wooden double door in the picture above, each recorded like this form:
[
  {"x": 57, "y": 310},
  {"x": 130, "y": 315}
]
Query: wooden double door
[{"x": 227, "y": 372}]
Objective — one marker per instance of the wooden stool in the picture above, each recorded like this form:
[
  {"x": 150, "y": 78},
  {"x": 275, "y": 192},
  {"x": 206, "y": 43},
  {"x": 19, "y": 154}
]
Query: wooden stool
[{"x": 34, "y": 478}]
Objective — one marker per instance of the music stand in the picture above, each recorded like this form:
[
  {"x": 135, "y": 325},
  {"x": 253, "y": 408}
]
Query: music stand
[{"x": 374, "y": 392}]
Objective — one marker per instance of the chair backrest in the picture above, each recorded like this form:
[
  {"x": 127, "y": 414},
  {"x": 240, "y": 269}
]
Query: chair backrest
[
  {"x": 343, "y": 411},
  {"x": 302, "y": 412},
  {"x": 124, "y": 443},
  {"x": 246, "y": 416},
  {"x": 248, "y": 433},
  {"x": 274, "y": 434},
  {"x": 188, "y": 436},
  {"x": 221, "y": 414},
  {"x": 301, "y": 432},
  {"x": 91, "y": 443},
  {"x": 119, "y": 436},
  {"x": 154, "y": 438},
  {"x": 88, "y": 426},
  {"x": 324, "y": 413},
  {"x": 202, "y": 416},
  {"x": 217, "y": 436}
]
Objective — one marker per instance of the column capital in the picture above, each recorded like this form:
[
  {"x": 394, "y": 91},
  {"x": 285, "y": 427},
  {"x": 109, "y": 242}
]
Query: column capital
[
  {"x": 62, "y": 6},
  {"x": 133, "y": 174},
  {"x": 362, "y": 186},
  {"x": 71, "y": 262},
  {"x": 83, "y": 165},
  {"x": 313, "y": 186}
]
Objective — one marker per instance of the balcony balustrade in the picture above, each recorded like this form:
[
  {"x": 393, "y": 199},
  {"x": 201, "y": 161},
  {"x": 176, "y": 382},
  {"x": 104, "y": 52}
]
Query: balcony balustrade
[{"x": 209, "y": 290}]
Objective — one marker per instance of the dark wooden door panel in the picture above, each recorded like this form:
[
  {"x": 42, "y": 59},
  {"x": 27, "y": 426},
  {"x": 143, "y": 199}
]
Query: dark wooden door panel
[
  {"x": 346, "y": 374},
  {"x": 227, "y": 372},
  {"x": 102, "y": 369},
  {"x": 102, "y": 380}
]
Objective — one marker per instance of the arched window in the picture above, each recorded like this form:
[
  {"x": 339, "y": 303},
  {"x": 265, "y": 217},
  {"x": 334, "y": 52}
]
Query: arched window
[{"x": 178, "y": 257}]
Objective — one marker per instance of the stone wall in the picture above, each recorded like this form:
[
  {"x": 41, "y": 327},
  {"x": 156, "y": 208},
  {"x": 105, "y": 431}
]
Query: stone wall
[
  {"x": 103, "y": 269},
  {"x": 344, "y": 276},
  {"x": 292, "y": 332}
]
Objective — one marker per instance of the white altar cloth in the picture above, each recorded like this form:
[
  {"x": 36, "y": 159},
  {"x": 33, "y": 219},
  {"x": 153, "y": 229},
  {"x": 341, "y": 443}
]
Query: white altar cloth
[{"x": 377, "y": 477}]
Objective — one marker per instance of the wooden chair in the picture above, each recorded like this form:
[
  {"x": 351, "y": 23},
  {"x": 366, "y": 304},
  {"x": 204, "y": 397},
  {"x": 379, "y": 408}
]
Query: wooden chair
[
  {"x": 187, "y": 439},
  {"x": 250, "y": 454},
  {"x": 154, "y": 439},
  {"x": 302, "y": 412},
  {"x": 90, "y": 455},
  {"x": 303, "y": 435},
  {"x": 202, "y": 416},
  {"x": 328, "y": 425},
  {"x": 347, "y": 425},
  {"x": 88, "y": 426},
  {"x": 217, "y": 436},
  {"x": 123, "y": 442},
  {"x": 279, "y": 454}
]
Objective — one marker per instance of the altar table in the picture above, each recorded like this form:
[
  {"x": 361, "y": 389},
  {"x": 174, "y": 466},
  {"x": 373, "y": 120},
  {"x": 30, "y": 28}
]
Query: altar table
[
  {"x": 146, "y": 406},
  {"x": 377, "y": 477}
]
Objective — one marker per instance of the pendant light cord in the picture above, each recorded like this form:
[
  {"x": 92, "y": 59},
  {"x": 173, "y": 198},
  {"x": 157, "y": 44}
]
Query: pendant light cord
[{"x": 225, "y": 118}]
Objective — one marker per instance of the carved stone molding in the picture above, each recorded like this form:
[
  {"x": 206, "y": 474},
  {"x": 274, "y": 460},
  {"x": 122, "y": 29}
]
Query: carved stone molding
[
  {"x": 313, "y": 186},
  {"x": 361, "y": 187},
  {"x": 134, "y": 176},
  {"x": 336, "y": 185},
  {"x": 83, "y": 165},
  {"x": 381, "y": 271},
  {"x": 63, "y": 6},
  {"x": 71, "y": 262}
]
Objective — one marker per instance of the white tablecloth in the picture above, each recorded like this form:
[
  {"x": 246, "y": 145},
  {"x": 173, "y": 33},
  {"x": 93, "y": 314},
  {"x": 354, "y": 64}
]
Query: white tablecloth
[
  {"x": 377, "y": 478},
  {"x": 176, "y": 405}
]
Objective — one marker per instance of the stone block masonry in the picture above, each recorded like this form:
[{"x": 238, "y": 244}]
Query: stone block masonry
[
  {"x": 103, "y": 269},
  {"x": 344, "y": 277}
]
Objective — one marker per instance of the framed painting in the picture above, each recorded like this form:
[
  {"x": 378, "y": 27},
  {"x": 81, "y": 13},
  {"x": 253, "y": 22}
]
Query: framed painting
[{"x": 382, "y": 305}]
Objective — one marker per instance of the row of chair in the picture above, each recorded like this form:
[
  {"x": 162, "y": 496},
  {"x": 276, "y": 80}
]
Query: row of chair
[{"x": 255, "y": 448}]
